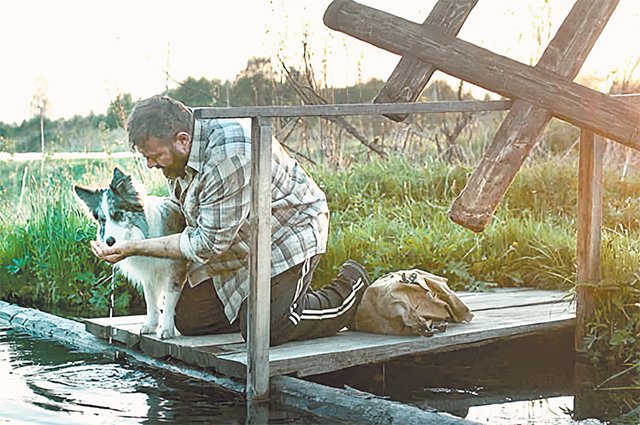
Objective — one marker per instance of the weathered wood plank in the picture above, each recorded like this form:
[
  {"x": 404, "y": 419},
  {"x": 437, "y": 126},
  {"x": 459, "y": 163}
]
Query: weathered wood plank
[
  {"x": 348, "y": 349},
  {"x": 523, "y": 126},
  {"x": 258, "y": 304},
  {"x": 410, "y": 77},
  {"x": 499, "y": 298},
  {"x": 351, "y": 109},
  {"x": 572, "y": 102}
]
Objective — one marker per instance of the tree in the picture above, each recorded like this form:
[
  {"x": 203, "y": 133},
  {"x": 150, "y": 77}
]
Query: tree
[
  {"x": 197, "y": 92},
  {"x": 255, "y": 84},
  {"x": 118, "y": 111}
]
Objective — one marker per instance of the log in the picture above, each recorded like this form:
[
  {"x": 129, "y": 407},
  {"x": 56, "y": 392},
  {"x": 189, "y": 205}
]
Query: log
[
  {"x": 609, "y": 117},
  {"x": 411, "y": 75},
  {"x": 521, "y": 130}
]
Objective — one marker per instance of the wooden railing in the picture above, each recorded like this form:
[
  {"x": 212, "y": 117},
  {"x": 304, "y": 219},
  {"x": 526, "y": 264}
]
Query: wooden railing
[{"x": 589, "y": 210}]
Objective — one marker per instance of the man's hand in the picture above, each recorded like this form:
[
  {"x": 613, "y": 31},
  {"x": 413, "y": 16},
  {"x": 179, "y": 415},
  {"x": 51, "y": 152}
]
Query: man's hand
[
  {"x": 111, "y": 254},
  {"x": 160, "y": 247}
]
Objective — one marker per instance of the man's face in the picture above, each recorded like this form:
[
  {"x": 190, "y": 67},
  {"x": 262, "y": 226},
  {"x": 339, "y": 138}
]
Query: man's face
[{"x": 170, "y": 156}]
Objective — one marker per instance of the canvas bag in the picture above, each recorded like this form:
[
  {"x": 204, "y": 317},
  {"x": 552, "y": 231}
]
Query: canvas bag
[{"x": 408, "y": 302}]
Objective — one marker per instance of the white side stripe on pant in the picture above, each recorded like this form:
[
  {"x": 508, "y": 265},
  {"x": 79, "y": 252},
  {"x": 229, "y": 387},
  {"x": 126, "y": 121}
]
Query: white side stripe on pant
[
  {"x": 328, "y": 313},
  {"x": 305, "y": 269}
]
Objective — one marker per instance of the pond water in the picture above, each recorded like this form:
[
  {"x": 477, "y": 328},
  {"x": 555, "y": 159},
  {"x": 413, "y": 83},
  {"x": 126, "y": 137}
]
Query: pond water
[
  {"x": 524, "y": 381},
  {"x": 46, "y": 383}
]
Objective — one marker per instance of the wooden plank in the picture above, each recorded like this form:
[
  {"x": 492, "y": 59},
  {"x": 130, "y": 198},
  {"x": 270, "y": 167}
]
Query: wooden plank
[
  {"x": 610, "y": 117},
  {"x": 348, "y": 349},
  {"x": 351, "y": 109},
  {"x": 523, "y": 126},
  {"x": 590, "y": 196},
  {"x": 258, "y": 311},
  {"x": 499, "y": 298},
  {"x": 411, "y": 75}
]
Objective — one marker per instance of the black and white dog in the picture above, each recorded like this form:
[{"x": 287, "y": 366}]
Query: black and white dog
[{"x": 124, "y": 212}]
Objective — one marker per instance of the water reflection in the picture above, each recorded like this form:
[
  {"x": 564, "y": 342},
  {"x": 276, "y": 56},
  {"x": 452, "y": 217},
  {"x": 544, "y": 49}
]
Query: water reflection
[
  {"x": 45, "y": 383},
  {"x": 524, "y": 381}
]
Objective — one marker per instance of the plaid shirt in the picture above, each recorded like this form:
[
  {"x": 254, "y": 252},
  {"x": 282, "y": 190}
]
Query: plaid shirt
[{"x": 215, "y": 199}]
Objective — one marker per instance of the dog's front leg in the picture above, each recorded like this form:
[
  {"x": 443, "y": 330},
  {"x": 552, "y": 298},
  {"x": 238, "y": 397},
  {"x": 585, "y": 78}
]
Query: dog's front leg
[
  {"x": 167, "y": 317},
  {"x": 153, "y": 312}
]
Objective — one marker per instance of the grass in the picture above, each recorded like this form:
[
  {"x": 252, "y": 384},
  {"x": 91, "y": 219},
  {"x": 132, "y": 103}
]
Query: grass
[{"x": 387, "y": 214}]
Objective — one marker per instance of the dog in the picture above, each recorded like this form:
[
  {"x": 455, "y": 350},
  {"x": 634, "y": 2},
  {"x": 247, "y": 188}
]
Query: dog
[{"x": 124, "y": 212}]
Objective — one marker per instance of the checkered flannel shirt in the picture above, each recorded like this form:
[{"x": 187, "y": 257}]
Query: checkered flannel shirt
[{"x": 215, "y": 199}]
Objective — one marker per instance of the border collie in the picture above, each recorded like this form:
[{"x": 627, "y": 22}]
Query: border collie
[{"x": 124, "y": 212}]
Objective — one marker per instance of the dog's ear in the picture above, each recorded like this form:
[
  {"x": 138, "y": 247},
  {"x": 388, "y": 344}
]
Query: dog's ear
[
  {"x": 91, "y": 197},
  {"x": 122, "y": 184},
  {"x": 118, "y": 174}
]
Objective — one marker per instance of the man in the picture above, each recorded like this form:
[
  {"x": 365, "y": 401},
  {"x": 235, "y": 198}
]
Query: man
[{"x": 208, "y": 166}]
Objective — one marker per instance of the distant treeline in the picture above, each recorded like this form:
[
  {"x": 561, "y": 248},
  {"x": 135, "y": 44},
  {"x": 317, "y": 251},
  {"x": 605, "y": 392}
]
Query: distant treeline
[{"x": 258, "y": 84}]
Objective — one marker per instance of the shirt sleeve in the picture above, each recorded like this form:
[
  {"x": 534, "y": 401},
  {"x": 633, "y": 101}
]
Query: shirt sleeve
[{"x": 224, "y": 200}]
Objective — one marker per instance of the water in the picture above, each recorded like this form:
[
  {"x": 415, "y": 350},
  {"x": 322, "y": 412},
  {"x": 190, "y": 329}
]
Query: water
[
  {"x": 45, "y": 383},
  {"x": 526, "y": 381}
]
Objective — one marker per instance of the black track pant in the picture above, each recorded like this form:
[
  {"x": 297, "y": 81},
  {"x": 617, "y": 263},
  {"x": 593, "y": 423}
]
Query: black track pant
[{"x": 297, "y": 311}]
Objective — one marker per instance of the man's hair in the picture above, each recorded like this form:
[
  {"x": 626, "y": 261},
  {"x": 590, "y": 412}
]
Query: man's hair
[{"x": 158, "y": 116}]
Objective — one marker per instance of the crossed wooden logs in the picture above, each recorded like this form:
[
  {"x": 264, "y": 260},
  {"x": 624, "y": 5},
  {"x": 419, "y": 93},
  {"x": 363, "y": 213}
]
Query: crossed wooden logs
[{"x": 542, "y": 91}]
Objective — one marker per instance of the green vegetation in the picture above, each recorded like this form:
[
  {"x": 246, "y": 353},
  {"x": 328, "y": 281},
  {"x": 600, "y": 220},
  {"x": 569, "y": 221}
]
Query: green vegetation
[
  {"x": 45, "y": 261},
  {"x": 388, "y": 214}
]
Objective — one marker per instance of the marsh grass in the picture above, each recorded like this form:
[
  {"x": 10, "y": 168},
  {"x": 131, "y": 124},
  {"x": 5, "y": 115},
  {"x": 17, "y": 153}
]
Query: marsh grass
[
  {"x": 44, "y": 250},
  {"x": 387, "y": 214}
]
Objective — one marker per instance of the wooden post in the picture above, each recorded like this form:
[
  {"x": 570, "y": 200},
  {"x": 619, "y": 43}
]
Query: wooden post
[
  {"x": 259, "y": 262},
  {"x": 411, "y": 75},
  {"x": 590, "y": 194},
  {"x": 523, "y": 126},
  {"x": 586, "y": 108}
]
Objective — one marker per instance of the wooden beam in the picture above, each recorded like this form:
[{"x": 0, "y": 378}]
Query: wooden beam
[
  {"x": 590, "y": 195},
  {"x": 259, "y": 262},
  {"x": 610, "y": 117},
  {"x": 523, "y": 126},
  {"x": 411, "y": 75},
  {"x": 351, "y": 109}
]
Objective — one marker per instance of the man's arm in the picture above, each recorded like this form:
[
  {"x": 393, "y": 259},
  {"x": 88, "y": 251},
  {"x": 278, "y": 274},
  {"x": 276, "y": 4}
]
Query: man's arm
[{"x": 162, "y": 247}]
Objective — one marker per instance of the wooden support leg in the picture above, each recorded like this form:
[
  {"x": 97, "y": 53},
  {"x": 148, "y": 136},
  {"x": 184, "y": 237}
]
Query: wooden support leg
[
  {"x": 411, "y": 75},
  {"x": 259, "y": 262},
  {"x": 521, "y": 130},
  {"x": 590, "y": 195}
]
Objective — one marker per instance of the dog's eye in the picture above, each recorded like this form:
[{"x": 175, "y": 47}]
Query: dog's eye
[{"x": 117, "y": 216}]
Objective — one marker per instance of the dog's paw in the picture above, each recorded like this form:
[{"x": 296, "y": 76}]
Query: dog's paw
[
  {"x": 165, "y": 333},
  {"x": 148, "y": 329}
]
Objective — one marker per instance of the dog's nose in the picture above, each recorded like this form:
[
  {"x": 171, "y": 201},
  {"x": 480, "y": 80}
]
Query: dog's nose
[{"x": 110, "y": 240}]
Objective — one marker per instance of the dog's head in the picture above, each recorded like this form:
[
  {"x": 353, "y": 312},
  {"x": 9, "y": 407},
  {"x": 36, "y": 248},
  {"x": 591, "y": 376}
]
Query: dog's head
[{"x": 118, "y": 209}]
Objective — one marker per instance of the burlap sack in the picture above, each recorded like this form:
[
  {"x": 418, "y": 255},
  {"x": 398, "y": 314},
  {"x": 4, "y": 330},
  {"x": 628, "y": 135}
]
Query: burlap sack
[{"x": 407, "y": 301}]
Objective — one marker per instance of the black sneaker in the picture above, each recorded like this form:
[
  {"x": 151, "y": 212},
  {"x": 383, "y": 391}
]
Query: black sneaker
[{"x": 355, "y": 275}]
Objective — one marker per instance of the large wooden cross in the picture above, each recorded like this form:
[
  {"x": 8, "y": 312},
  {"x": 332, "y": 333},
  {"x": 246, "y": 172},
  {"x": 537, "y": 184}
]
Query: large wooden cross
[{"x": 540, "y": 92}]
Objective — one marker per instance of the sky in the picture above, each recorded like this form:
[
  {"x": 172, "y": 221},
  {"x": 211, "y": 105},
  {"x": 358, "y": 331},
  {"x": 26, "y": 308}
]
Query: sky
[{"x": 82, "y": 54}]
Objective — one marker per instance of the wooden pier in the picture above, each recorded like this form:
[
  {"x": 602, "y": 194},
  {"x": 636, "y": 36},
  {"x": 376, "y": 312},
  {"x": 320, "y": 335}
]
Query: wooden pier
[{"x": 499, "y": 314}]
